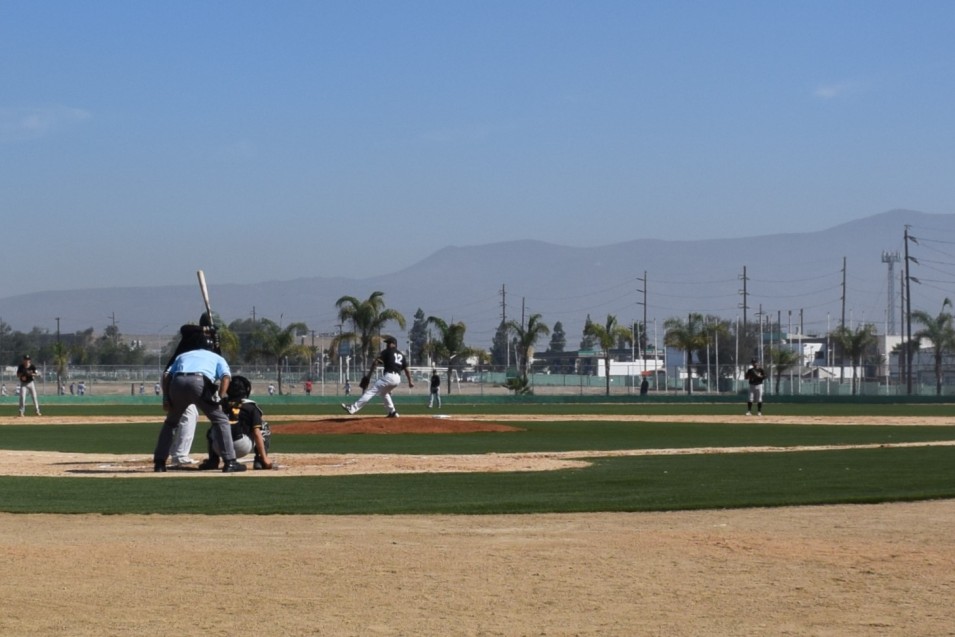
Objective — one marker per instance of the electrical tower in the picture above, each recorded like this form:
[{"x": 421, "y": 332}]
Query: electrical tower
[{"x": 891, "y": 258}]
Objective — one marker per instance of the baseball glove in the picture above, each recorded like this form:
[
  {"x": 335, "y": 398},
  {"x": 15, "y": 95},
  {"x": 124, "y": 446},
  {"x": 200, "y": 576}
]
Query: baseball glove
[{"x": 363, "y": 383}]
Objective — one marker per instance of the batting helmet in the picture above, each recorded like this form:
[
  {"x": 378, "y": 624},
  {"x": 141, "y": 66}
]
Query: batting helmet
[{"x": 391, "y": 340}]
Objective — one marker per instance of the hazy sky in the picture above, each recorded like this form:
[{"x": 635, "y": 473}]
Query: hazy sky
[{"x": 141, "y": 140}]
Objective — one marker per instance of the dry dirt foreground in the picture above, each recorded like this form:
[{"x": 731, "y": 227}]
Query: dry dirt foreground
[{"x": 836, "y": 570}]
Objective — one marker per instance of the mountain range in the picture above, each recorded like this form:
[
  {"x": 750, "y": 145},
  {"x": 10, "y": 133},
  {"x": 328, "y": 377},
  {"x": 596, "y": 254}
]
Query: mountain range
[{"x": 795, "y": 277}]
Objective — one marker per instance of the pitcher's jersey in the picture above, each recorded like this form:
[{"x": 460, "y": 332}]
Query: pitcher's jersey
[{"x": 393, "y": 361}]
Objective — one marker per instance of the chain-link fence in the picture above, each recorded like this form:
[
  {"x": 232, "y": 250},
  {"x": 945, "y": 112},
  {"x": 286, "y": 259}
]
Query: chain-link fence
[{"x": 488, "y": 380}]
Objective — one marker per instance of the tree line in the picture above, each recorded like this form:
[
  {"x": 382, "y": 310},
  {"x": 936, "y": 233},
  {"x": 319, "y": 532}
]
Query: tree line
[{"x": 711, "y": 345}]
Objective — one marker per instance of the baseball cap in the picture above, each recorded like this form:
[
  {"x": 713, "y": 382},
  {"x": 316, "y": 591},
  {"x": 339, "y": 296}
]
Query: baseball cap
[
  {"x": 391, "y": 339},
  {"x": 26, "y": 357}
]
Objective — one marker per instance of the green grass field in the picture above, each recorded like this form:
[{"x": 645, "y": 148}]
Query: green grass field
[{"x": 639, "y": 483}]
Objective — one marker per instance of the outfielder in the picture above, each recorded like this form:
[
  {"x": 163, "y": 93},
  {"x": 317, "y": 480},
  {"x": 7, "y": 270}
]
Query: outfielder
[
  {"x": 755, "y": 375},
  {"x": 393, "y": 363}
]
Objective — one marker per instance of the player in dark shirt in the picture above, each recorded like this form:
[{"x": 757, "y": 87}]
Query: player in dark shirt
[
  {"x": 755, "y": 375},
  {"x": 393, "y": 363}
]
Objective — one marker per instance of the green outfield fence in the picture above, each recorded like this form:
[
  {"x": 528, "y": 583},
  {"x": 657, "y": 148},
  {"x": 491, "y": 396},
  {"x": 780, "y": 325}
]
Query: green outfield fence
[{"x": 136, "y": 385}]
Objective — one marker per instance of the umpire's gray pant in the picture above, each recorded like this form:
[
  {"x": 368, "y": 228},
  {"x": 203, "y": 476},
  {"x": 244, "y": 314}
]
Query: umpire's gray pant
[{"x": 185, "y": 390}]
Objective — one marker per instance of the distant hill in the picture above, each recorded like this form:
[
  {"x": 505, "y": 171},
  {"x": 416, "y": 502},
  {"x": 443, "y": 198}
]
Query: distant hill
[{"x": 798, "y": 273}]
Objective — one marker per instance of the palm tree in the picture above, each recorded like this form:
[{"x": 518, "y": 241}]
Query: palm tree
[
  {"x": 607, "y": 336},
  {"x": 450, "y": 345},
  {"x": 276, "y": 344},
  {"x": 366, "y": 318},
  {"x": 940, "y": 332},
  {"x": 783, "y": 359},
  {"x": 855, "y": 343},
  {"x": 228, "y": 343},
  {"x": 688, "y": 336},
  {"x": 526, "y": 339}
]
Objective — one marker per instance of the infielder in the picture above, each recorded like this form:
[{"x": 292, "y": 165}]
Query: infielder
[
  {"x": 435, "y": 389},
  {"x": 26, "y": 372},
  {"x": 393, "y": 363},
  {"x": 755, "y": 375}
]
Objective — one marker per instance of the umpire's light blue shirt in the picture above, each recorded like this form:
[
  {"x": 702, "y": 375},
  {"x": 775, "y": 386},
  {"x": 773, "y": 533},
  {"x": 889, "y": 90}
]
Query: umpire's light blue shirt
[{"x": 207, "y": 363}]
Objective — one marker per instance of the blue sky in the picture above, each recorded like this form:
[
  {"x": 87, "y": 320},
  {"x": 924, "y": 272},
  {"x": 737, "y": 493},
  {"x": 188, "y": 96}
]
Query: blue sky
[{"x": 141, "y": 140}]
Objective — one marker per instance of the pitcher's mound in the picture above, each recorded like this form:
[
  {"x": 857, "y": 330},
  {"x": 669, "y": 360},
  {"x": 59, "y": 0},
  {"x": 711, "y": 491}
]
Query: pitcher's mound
[{"x": 382, "y": 425}]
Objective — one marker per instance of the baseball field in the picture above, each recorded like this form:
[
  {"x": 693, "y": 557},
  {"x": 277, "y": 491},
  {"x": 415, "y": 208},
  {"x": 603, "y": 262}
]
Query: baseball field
[{"x": 581, "y": 519}]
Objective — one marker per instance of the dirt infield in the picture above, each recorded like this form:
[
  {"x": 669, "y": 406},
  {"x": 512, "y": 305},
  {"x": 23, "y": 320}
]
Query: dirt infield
[
  {"x": 836, "y": 570},
  {"x": 65, "y": 464}
]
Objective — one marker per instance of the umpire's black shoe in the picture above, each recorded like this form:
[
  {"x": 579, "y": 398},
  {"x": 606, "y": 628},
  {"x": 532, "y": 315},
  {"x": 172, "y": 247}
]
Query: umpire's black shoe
[
  {"x": 233, "y": 466},
  {"x": 159, "y": 467},
  {"x": 208, "y": 464}
]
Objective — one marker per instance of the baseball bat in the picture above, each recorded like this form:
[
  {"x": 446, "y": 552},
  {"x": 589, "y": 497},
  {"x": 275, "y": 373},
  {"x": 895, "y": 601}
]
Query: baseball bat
[{"x": 205, "y": 295}]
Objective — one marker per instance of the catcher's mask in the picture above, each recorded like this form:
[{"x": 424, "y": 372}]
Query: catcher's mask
[{"x": 239, "y": 388}]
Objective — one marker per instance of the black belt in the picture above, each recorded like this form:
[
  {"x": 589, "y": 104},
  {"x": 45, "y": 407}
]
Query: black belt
[{"x": 188, "y": 374}]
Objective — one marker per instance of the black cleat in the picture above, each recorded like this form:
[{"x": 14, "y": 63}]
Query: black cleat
[
  {"x": 159, "y": 467},
  {"x": 208, "y": 465},
  {"x": 392, "y": 414},
  {"x": 233, "y": 466}
]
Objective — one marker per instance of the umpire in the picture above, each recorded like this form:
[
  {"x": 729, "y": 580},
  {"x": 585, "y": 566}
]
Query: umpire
[{"x": 191, "y": 380}]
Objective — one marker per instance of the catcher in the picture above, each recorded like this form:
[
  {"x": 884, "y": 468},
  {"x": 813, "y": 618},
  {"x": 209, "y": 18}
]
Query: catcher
[
  {"x": 250, "y": 434},
  {"x": 394, "y": 363}
]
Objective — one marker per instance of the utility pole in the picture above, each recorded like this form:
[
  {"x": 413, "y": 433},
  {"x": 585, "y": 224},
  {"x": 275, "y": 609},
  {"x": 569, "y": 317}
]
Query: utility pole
[
  {"x": 842, "y": 325},
  {"x": 644, "y": 304},
  {"x": 745, "y": 304},
  {"x": 902, "y": 363},
  {"x": 908, "y": 310},
  {"x": 507, "y": 344}
]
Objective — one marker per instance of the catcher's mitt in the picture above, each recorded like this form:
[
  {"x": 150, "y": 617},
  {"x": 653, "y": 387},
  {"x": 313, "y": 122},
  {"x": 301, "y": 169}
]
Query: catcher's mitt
[{"x": 363, "y": 383}]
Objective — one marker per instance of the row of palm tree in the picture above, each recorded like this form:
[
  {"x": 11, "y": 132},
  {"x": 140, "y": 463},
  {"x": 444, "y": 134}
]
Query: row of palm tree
[
  {"x": 368, "y": 318},
  {"x": 698, "y": 333}
]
